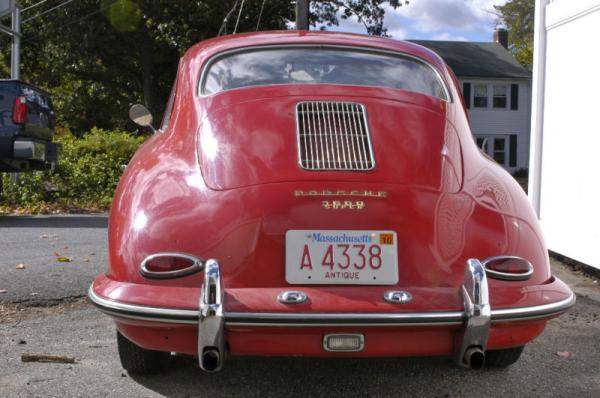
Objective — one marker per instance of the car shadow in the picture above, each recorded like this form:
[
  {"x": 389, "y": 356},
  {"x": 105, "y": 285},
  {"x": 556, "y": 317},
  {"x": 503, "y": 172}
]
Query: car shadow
[
  {"x": 55, "y": 221},
  {"x": 306, "y": 377}
]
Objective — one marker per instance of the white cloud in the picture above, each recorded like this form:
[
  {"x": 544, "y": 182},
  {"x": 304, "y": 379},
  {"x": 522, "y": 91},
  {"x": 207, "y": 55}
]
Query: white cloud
[
  {"x": 462, "y": 15},
  {"x": 460, "y": 20},
  {"x": 448, "y": 36}
]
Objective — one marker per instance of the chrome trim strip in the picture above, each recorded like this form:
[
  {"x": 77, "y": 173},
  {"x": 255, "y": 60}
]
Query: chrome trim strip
[
  {"x": 142, "y": 312},
  {"x": 197, "y": 265},
  {"x": 343, "y": 319},
  {"x": 215, "y": 57},
  {"x": 170, "y": 315},
  {"x": 534, "y": 312},
  {"x": 506, "y": 276}
]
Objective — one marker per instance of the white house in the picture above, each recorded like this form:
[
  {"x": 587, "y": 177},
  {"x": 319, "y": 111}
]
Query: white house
[
  {"x": 564, "y": 178},
  {"x": 497, "y": 91}
]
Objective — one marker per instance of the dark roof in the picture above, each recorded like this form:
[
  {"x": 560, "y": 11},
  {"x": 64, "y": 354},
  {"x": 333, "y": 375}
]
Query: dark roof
[{"x": 477, "y": 59}]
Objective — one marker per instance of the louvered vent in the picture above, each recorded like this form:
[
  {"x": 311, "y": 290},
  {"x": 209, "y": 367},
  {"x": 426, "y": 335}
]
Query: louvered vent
[{"x": 333, "y": 136}]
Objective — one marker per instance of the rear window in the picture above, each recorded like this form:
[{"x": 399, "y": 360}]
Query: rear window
[
  {"x": 318, "y": 65},
  {"x": 8, "y": 93}
]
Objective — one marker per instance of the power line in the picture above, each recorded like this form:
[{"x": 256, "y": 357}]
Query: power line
[
  {"x": 223, "y": 27},
  {"x": 262, "y": 7},
  {"x": 47, "y": 11},
  {"x": 238, "y": 18},
  {"x": 34, "y": 5},
  {"x": 78, "y": 20}
]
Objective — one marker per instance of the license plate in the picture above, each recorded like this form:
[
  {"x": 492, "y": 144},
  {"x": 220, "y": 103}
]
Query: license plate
[{"x": 341, "y": 257}]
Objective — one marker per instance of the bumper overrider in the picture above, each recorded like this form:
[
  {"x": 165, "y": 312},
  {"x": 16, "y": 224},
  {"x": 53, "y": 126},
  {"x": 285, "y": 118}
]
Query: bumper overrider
[{"x": 474, "y": 320}]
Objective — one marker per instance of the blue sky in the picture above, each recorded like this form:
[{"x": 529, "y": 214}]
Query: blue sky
[{"x": 465, "y": 20}]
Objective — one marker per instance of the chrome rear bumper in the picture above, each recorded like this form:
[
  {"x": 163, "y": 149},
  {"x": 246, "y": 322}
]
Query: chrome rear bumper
[{"x": 476, "y": 318}]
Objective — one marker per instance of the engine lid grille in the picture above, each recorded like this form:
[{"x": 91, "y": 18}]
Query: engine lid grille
[{"x": 333, "y": 136}]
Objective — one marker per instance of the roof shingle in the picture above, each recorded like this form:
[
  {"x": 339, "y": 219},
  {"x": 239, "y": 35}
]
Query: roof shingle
[{"x": 477, "y": 59}]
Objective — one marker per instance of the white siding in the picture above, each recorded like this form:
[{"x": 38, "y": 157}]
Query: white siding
[
  {"x": 565, "y": 183},
  {"x": 497, "y": 122}
]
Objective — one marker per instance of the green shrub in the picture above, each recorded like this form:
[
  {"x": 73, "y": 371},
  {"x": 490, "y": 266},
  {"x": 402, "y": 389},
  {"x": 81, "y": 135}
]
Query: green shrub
[{"x": 85, "y": 178}]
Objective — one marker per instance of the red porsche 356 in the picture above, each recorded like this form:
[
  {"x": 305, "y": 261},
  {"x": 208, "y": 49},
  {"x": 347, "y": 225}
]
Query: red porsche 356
[{"x": 320, "y": 194}]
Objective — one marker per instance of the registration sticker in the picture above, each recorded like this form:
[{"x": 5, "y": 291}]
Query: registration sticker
[{"x": 386, "y": 239}]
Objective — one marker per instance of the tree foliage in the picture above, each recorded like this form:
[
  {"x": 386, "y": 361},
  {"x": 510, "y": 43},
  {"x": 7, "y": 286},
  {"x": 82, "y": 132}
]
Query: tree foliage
[
  {"x": 97, "y": 57},
  {"x": 519, "y": 16},
  {"x": 86, "y": 178}
]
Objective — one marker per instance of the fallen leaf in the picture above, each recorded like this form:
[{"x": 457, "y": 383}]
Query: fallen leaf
[
  {"x": 20, "y": 266},
  {"x": 2, "y": 290},
  {"x": 64, "y": 259},
  {"x": 66, "y": 247},
  {"x": 56, "y": 254},
  {"x": 564, "y": 354},
  {"x": 87, "y": 260}
]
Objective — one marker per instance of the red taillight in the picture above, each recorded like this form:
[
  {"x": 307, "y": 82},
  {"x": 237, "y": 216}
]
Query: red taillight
[
  {"x": 170, "y": 265},
  {"x": 508, "y": 268},
  {"x": 20, "y": 111}
]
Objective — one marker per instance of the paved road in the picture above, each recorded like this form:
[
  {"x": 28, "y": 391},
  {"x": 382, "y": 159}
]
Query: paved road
[
  {"x": 37, "y": 242},
  {"x": 76, "y": 329},
  {"x": 82, "y": 333}
]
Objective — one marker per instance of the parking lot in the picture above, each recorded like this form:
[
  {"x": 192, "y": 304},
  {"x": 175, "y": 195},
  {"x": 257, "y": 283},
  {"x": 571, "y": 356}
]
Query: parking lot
[{"x": 43, "y": 310}]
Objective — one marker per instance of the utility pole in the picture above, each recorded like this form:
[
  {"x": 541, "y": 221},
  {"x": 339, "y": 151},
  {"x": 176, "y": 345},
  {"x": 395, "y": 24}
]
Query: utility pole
[
  {"x": 10, "y": 7},
  {"x": 15, "y": 54},
  {"x": 302, "y": 9}
]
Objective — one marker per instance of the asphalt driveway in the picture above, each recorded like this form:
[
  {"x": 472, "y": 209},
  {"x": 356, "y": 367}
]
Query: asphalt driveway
[
  {"x": 31, "y": 247},
  {"x": 43, "y": 311}
]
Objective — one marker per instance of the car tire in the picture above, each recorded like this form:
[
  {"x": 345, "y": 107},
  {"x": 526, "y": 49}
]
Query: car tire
[
  {"x": 502, "y": 358},
  {"x": 136, "y": 359}
]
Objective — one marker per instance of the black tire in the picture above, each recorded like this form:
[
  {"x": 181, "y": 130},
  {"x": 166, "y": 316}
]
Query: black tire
[
  {"x": 136, "y": 359},
  {"x": 502, "y": 358}
]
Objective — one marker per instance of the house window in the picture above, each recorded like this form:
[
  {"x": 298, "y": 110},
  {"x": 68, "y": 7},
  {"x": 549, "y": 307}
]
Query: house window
[
  {"x": 480, "y": 96},
  {"x": 500, "y": 97},
  {"x": 499, "y": 153},
  {"x": 502, "y": 148}
]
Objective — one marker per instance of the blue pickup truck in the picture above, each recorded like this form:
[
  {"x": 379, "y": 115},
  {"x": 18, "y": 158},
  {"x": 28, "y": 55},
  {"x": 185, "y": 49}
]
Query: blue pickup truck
[{"x": 26, "y": 128}]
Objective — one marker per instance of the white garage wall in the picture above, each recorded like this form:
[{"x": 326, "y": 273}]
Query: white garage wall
[{"x": 565, "y": 148}]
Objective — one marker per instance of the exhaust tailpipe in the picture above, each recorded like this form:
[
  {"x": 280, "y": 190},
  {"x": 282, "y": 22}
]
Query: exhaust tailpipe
[
  {"x": 210, "y": 360},
  {"x": 474, "y": 358}
]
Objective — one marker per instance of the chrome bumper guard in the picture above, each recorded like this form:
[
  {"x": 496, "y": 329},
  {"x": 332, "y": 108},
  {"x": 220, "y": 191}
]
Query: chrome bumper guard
[
  {"x": 475, "y": 294},
  {"x": 211, "y": 324},
  {"x": 476, "y": 318}
]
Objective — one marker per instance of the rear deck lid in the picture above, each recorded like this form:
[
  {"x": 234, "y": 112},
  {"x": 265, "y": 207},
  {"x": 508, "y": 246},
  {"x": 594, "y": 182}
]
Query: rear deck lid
[{"x": 299, "y": 138}]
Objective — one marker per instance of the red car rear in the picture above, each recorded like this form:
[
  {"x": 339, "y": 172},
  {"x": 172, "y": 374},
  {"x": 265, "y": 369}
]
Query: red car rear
[{"x": 320, "y": 194}]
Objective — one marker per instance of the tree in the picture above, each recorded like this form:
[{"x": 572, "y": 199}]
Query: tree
[
  {"x": 519, "y": 16},
  {"x": 97, "y": 57}
]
